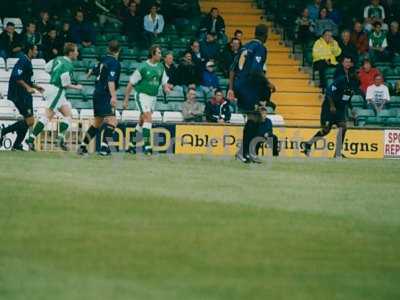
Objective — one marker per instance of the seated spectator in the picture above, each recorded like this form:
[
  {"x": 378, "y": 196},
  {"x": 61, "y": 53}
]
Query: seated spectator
[
  {"x": 30, "y": 36},
  {"x": 187, "y": 73},
  {"x": 238, "y": 34},
  {"x": 304, "y": 30},
  {"x": 314, "y": 9},
  {"x": 170, "y": 69},
  {"x": 52, "y": 45},
  {"x": 65, "y": 34},
  {"x": 325, "y": 53},
  {"x": 228, "y": 55},
  {"x": 324, "y": 23},
  {"x": 197, "y": 57},
  {"x": 82, "y": 31},
  {"x": 360, "y": 39},
  {"x": 192, "y": 110},
  {"x": 217, "y": 109},
  {"x": 377, "y": 94},
  {"x": 346, "y": 69},
  {"x": 209, "y": 81},
  {"x": 209, "y": 48},
  {"x": 213, "y": 23},
  {"x": 333, "y": 13},
  {"x": 374, "y": 13},
  {"x": 367, "y": 75},
  {"x": 153, "y": 25},
  {"x": 132, "y": 24},
  {"x": 393, "y": 39},
  {"x": 10, "y": 42},
  {"x": 44, "y": 24},
  {"x": 348, "y": 48},
  {"x": 378, "y": 43}
]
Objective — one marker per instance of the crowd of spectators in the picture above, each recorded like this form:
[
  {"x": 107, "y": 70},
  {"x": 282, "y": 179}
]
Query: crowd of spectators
[
  {"x": 193, "y": 71},
  {"x": 372, "y": 39}
]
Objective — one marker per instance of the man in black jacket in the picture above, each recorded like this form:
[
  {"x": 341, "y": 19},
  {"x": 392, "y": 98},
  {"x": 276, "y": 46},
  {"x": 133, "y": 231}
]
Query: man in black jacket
[
  {"x": 213, "y": 23},
  {"x": 10, "y": 42}
]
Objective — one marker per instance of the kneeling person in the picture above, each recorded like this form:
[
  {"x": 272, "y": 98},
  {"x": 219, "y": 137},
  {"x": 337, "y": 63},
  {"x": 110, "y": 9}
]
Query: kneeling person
[
  {"x": 105, "y": 100},
  {"x": 61, "y": 71}
]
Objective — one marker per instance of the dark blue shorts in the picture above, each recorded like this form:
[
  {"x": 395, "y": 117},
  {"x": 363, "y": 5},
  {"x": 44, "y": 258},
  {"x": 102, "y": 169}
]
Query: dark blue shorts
[
  {"x": 24, "y": 104},
  {"x": 328, "y": 117},
  {"x": 102, "y": 105}
]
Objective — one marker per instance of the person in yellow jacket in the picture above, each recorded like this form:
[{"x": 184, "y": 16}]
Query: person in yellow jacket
[{"x": 325, "y": 53}]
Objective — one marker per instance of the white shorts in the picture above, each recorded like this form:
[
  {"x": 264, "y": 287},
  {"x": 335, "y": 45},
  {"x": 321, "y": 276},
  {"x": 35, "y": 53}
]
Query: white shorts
[
  {"x": 55, "y": 97},
  {"x": 145, "y": 102}
]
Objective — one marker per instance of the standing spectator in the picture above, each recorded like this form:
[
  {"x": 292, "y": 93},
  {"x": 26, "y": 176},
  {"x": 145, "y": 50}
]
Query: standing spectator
[
  {"x": 65, "y": 34},
  {"x": 123, "y": 9},
  {"x": 324, "y": 23},
  {"x": 171, "y": 69},
  {"x": 187, "y": 72},
  {"x": 192, "y": 110},
  {"x": 209, "y": 48},
  {"x": 348, "y": 48},
  {"x": 213, "y": 23},
  {"x": 132, "y": 24},
  {"x": 374, "y": 13},
  {"x": 325, "y": 53},
  {"x": 304, "y": 30},
  {"x": 52, "y": 45},
  {"x": 333, "y": 13},
  {"x": 377, "y": 94},
  {"x": 378, "y": 43},
  {"x": 217, "y": 109},
  {"x": 228, "y": 55},
  {"x": 313, "y": 10},
  {"x": 209, "y": 81},
  {"x": 30, "y": 36},
  {"x": 153, "y": 25},
  {"x": 44, "y": 23},
  {"x": 10, "y": 42},
  {"x": 179, "y": 12},
  {"x": 360, "y": 39},
  {"x": 82, "y": 31},
  {"x": 367, "y": 75},
  {"x": 393, "y": 39}
]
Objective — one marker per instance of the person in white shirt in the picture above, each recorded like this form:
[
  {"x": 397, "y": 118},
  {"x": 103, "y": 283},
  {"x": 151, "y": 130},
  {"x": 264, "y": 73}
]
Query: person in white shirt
[
  {"x": 377, "y": 94},
  {"x": 153, "y": 25}
]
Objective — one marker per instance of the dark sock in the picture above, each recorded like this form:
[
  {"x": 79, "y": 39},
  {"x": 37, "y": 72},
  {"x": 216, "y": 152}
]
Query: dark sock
[
  {"x": 321, "y": 133},
  {"x": 11, "y": 128},
  {"x": 21, "y": 133},
  {"x": 108, "y": 133},
  {"x": 90, "y": 134},
  {"x": 249, "y": 132}
]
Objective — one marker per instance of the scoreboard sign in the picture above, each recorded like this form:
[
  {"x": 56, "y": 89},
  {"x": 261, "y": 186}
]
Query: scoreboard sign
[{"x": 392, "y": 144}]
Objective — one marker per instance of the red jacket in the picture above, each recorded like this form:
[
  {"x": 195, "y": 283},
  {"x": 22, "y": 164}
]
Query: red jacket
[{"x": 366, "y": 79}]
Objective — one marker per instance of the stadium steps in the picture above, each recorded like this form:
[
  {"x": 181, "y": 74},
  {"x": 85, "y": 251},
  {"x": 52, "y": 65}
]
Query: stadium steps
[{"x": 297, "y": 100}]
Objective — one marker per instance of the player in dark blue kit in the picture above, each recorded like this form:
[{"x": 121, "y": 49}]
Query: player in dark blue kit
[
  {"x": 20, "y": 90},
  {"x": 335, "y": 108},
  {"x": 248, "y": 84},
  {"x": 104, "y": 99}
]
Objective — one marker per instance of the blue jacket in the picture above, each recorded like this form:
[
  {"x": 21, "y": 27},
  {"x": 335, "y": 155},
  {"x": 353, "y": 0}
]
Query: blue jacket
[{"x": 210, "y": 79}]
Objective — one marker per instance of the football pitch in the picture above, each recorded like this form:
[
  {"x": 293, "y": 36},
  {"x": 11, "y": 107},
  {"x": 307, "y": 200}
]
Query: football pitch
[{"x": 194, "y": 228}]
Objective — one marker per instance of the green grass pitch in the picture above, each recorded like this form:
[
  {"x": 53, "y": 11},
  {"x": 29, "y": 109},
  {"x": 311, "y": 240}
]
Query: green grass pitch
[{"x": 198, "y": 228}]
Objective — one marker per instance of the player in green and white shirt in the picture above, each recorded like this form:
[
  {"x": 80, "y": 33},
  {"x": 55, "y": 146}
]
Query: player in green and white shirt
[
  {"x": 146, "y": 81},
  {"x": 61, "y": 71}
]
